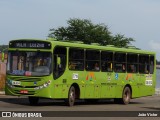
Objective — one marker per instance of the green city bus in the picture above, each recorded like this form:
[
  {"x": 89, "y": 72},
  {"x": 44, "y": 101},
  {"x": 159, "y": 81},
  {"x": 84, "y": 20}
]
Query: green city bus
[{"x": 73, "y": 70}]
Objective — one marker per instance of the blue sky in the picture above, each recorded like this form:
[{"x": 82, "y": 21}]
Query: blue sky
[{"x": 139, "y": 19}]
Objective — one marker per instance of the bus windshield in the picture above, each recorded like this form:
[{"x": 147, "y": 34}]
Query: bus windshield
[{"x": 21, "y": 63}]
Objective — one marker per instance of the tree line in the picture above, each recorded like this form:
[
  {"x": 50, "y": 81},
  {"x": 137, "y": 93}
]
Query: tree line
[{"x": 3, "y": 48}]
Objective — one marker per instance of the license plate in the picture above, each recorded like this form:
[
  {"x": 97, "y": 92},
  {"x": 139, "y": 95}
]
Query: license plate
[
  {"x": 24, "y": 91},
  {"x": 16, "y": 83}
]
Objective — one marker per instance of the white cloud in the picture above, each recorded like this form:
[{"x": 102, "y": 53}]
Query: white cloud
[{"x": 154, "y": 45}]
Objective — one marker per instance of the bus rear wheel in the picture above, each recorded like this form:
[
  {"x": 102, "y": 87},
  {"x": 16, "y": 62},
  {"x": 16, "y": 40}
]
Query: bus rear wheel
[
  {"x": 71, "y": 96},
  {"x": 33, "y": 100},
  {"x": 126, "y": 96}
]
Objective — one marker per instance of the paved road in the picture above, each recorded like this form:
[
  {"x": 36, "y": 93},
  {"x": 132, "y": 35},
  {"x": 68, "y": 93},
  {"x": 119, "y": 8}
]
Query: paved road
[{"x": 144, "y": 104}]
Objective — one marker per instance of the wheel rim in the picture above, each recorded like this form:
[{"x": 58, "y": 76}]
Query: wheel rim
[
  {"x": 126, "y": 96},
  {"x": 71, "y": 97}
]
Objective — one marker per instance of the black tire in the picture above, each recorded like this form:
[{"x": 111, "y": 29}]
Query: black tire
[
  {"x": 71, "y": 96},
  {"x": 126, "y": 96},
  {"x": 33, "y": 100}
]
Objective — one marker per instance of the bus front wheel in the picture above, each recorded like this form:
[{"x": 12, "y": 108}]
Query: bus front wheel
[
  {"x": 33, "y": 100},
  {"x": 71, "y": 96}
]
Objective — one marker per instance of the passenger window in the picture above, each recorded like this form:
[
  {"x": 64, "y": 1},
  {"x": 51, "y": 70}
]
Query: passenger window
[
  {"x": 107, "y": 61},
  {"x": 76, "y": 59},
  {"x": 120, "y": 62},
  {"x": 92, "y": 60},
  {"x": 59, "y": 61},
  {"x": 132, "y": 63},
  {"x": 144, "y": 64},
  {"x": 151, "y": 64}
]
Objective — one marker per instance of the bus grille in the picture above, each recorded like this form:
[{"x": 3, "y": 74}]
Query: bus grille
[
  {"x": 25, "y": 79},
  {"x": 19, "y": 86}
]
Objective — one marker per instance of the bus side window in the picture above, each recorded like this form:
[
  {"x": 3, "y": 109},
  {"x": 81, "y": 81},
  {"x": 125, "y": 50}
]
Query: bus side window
[
  {"x": 151, "y": 67},
  {"x": 132, "y": 60},
  {"x": 96, "y": 66},
  {"x": 72, "y": 65},
  {"x": 120, "y": 62},
  {"x": 109, "y": 67},
  {"x": 107, "y": 61},
  {"x": 92, "y": 60},
  {"x": 76, "y": 59},
  {"x": 144, "y": 64}
]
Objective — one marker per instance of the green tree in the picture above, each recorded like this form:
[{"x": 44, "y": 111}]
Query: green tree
[
  {"x": 84, "y": 30},
  {"x": 121, "y": 41},
  {"x": 3, "y": 48}
]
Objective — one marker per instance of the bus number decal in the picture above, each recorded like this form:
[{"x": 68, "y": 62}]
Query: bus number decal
[
  {"x": 16, "y": 83},
  {"x": 109, "y": 78},
  {"x": 75, "y": 76},
  {"x": 149, "y": 82}
]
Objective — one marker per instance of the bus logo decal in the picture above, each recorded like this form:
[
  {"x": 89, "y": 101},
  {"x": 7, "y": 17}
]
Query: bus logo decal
[
  {"x": 35, "y": 83},
  {"x": 129, "y": 77},
  {"x": 90, "y": 76},
  {"x": 116, "y": 76}
]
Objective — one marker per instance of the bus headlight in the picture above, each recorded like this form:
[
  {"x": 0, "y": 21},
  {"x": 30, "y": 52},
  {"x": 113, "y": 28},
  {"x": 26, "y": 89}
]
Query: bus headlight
[
  {"x": 46, "y": 84},
  {"x": 9, "y": 83}
]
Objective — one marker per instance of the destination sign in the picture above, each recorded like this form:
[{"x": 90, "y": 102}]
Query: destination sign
[{"x": 30, "y": 44}]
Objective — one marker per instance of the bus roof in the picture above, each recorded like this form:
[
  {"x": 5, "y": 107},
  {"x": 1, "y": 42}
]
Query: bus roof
[{"x": 95, "y": 46}]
